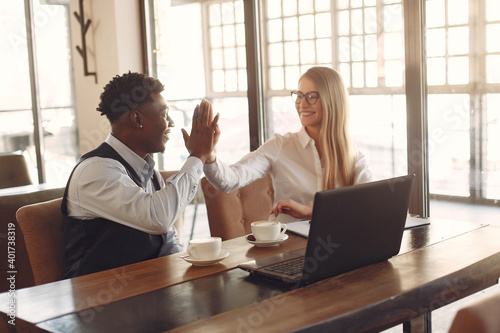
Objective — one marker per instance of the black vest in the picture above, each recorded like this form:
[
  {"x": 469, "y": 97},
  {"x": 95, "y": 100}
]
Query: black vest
[{"x": 99, "y": 244}]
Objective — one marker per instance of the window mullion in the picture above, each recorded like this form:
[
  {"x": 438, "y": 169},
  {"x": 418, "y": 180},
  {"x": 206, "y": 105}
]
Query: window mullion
[
  {"x": 477, "y": 83},
  {"x": 416, "y": 104},
  {"x": 35, "y": 96},
  {"x": 206, "y": 49},
  {"x": 254, "y": 74}
]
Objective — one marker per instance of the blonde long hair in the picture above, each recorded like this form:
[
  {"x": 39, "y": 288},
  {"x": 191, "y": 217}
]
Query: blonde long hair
[{"x": 339, "y": 153}]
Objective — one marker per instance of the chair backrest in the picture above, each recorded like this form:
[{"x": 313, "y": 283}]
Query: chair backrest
[
  {"x": 167, "y": 173},
  {"x": 482, "y": 316},
  {"x": 42, "y": 227},
  {"x": 14, "y": 171},
  {"x": 9, "y": 205},
  {"x": 230, "y": 214}
]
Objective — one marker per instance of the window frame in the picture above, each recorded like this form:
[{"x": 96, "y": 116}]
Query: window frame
[
  {"x": 414, "y": 87},
  {"x": 36, "y": 105}
]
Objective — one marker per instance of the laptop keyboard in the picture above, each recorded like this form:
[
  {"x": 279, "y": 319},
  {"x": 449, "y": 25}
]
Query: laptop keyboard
[{"x": 289, "y": 267}]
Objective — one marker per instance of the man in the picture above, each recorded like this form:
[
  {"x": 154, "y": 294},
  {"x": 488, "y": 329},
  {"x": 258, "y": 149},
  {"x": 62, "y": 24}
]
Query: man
[{"x": 117, "y": 209}]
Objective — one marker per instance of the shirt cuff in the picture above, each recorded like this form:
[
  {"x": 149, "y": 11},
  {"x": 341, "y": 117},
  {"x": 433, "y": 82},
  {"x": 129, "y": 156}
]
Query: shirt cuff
[
  {"x": 210, "y": 168},
  {"x": 193, "y": 166}
]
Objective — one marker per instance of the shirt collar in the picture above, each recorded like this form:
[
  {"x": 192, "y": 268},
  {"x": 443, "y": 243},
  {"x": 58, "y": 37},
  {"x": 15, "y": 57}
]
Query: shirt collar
[
  {"x": 144, "y": 167},
  {"x": 304, "y": 138}
]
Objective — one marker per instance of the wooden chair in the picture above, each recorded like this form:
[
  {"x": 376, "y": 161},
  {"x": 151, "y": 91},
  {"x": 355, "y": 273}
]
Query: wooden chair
[
  {"x": 13, "y": 171},
  {"x": 230, "y": 214},
  {"x": 9, "y": 205},
  {"x": 42, "y": 227},
  {"x": 483, "y": 316}
]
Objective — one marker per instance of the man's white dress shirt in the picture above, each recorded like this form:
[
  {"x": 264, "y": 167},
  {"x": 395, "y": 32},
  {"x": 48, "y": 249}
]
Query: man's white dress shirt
[{"x": 101, "y": 187}]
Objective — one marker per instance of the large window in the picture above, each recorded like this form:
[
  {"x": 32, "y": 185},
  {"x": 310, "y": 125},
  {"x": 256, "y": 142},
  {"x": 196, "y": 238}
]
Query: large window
[
  {"x": 463, "y": 77},
  {"x": 56, "y": 146},
  {"x": 203, "y": 57},
  {"x": 365, "y": 41}
]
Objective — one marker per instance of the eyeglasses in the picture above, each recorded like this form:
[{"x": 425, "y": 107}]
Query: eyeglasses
[{"x": 311, "y": 97}]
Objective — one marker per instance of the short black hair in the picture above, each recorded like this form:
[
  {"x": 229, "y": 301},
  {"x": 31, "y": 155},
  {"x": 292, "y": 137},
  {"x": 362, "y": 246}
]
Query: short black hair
[{"x": 126, "y": 92}]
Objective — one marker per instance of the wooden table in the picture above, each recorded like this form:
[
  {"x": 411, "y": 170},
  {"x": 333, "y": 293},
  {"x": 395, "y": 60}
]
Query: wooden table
[
  {"x": 438, "y": 264},
  {"x": 33, "y": 188}
]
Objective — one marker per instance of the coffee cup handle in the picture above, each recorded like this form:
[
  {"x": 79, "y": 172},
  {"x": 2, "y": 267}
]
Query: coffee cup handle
[
  {"x": 192, "y": 252},
  {"x": 283, "y": 230}
]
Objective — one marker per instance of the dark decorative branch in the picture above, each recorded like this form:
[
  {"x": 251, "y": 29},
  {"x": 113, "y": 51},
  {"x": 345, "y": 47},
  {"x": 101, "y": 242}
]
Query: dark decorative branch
[{"x": 83, "y": 50}]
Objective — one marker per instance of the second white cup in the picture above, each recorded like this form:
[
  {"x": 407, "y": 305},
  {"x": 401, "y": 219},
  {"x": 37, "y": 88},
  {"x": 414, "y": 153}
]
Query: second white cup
[
  {"x": 268, "y": 230},
  {"x": 205, "y": 248}
]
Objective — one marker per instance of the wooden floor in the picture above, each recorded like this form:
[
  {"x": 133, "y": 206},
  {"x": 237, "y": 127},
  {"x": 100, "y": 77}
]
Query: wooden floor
[{"x": 441, "y": 318}]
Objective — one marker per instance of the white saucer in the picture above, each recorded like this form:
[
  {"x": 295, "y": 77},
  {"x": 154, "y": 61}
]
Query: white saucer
[
  {"x": 222, "y": 255},
  {"x": 266, "y": 243}
]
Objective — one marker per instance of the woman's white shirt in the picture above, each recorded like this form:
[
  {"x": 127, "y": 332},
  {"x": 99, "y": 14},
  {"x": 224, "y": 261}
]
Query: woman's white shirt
[{"x": 294, "y": 164}]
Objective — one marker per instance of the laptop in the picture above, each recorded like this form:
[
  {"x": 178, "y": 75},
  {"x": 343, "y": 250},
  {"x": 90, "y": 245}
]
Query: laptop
[{"x": 351, "y": 227}]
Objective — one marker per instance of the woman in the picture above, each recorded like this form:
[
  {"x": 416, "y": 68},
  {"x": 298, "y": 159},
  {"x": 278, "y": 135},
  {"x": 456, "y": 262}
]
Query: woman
[{"x": 320, "y": 156}]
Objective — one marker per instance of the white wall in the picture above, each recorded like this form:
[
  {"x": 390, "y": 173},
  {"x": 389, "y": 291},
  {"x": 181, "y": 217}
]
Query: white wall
[{"x": 113, "y": 48}]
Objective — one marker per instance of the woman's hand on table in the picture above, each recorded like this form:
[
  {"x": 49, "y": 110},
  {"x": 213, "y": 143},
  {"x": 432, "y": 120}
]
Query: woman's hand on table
[{"x": 292, "y": 208}]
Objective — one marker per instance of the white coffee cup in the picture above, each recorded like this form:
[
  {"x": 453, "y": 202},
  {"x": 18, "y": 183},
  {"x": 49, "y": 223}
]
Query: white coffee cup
[
  {"x": 205, "y": 248},
  {"x": 268, "y": 230}
]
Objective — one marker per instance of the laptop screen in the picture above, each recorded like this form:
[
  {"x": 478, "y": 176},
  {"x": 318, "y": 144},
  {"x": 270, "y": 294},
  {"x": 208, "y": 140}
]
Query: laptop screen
[
  {"x": 355, "y": 226},
  {"x": 350, "y": 227}
]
